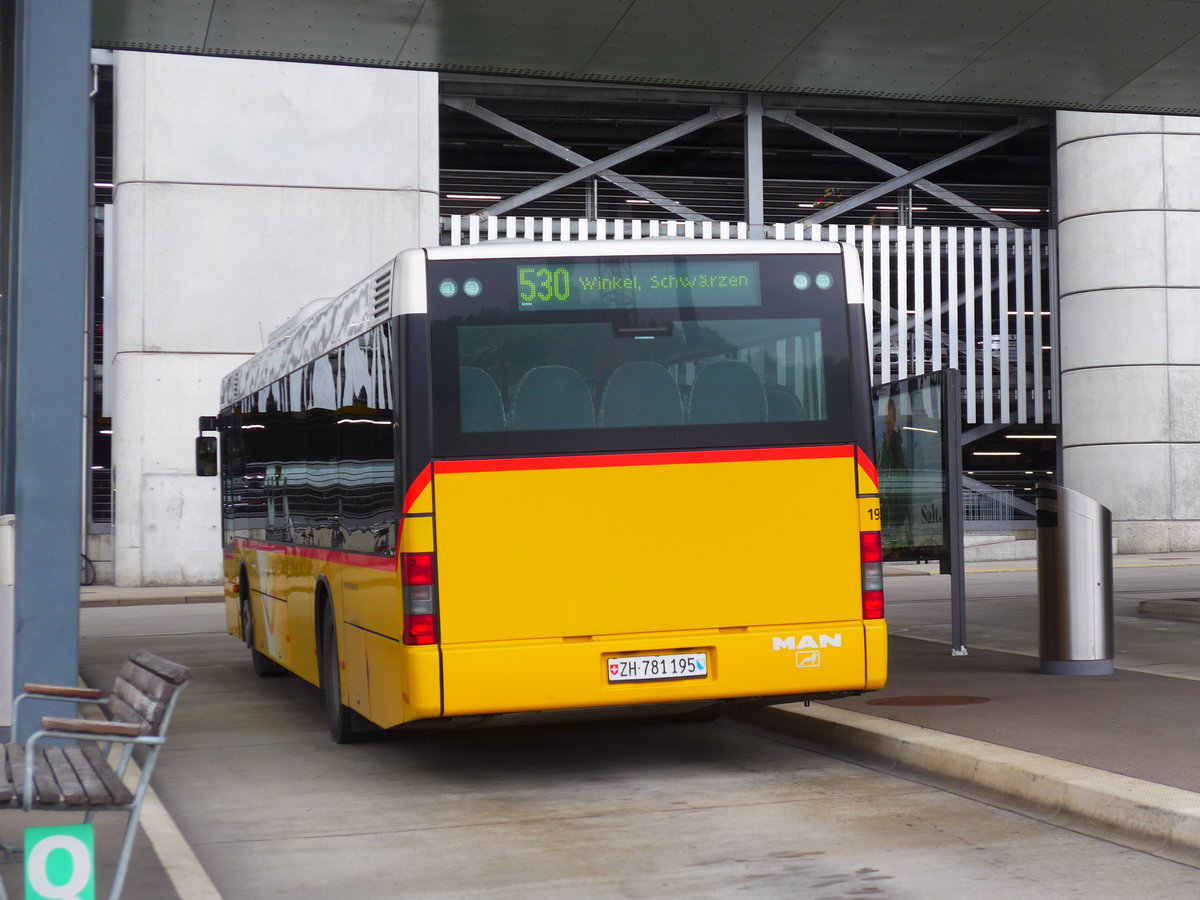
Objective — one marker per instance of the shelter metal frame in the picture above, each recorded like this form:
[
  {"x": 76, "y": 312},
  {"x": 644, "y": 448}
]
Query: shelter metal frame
[{"x": 753, "y": 109}]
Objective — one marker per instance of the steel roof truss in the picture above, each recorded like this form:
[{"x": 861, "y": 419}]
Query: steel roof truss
[
  {"x": 597, "y": 167},
  {"x": 544, "y": 143},
  {"x": 903, "y": 177}
]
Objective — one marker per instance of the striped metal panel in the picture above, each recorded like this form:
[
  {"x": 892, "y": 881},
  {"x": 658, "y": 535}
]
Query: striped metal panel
[{"x": 977, "y": 299}]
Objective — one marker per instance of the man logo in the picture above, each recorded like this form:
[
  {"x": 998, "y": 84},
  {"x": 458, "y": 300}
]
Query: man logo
[{"x": 807, "y": 642}]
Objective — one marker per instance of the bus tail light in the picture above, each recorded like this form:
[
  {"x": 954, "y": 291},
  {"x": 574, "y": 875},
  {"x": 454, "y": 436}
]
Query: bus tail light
[
  {"x": 419, "y": 587},
  {"x": 871, "y": 554}
]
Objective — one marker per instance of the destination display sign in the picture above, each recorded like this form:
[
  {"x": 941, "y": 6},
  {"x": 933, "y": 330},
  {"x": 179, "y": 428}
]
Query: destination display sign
[{"x": 621, "y": 283}]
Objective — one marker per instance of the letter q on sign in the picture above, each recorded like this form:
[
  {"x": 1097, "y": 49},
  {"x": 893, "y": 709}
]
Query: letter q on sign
[{"x": 59, "y": 863}]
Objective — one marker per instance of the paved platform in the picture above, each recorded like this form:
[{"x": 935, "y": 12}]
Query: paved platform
[{"x": 1108, "y": 755}]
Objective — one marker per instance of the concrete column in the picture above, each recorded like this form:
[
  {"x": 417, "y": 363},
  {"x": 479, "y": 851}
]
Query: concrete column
[
  {"x": 1129, "y": 229},
  {"x": 42, "y": 335},
  {"x": 244, "y": 190}
]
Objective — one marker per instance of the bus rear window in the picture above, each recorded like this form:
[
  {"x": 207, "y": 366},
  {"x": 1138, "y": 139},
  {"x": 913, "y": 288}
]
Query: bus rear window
[{"x": 587, "y": 373}]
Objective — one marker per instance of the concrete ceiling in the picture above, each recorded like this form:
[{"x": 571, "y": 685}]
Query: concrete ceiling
[{"x": 1119, "y": 55}]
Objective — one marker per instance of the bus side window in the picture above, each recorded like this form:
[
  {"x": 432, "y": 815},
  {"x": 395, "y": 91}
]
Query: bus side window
[
  {"x": 232, "y": 457},
  {"x": 232, "y": 468},
  {"x": 365, "y": 473},
  {"x": 317, "y": 512}
]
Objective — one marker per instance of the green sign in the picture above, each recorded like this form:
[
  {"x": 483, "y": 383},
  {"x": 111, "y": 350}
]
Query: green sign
[
  {"x": 59, "y": 863},
  {"x": 614, "y": 283}
]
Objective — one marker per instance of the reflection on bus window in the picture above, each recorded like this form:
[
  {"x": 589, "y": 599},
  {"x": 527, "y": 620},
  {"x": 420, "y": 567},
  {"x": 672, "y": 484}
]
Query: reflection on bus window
[{"x": 585, "y": 375}]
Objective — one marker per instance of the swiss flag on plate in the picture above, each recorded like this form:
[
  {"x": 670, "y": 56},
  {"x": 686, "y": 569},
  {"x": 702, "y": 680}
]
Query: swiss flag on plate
[{"x": 613, "y": 669}]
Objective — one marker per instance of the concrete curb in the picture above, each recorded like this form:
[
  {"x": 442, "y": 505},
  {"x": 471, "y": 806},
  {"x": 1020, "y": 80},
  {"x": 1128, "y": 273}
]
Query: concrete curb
[
  {"x": 1142, "y": 815},
  {"x": 148, "y": 601},
  {"x": 1176, "y": 610},
  {"x": 106, "y": 595}
]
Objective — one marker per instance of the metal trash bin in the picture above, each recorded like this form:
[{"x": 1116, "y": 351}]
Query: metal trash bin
[{"x": 1075, "y": 583}]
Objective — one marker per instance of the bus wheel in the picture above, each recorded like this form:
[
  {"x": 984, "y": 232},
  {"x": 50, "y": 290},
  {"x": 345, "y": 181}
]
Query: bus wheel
[
  {"x": 263, "y": 665},
  {"x": 345, "y": 725}
]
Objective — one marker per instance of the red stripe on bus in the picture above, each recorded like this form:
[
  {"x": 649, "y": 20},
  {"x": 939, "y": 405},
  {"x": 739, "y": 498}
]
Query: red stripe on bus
[
  {"x": 683, "y": 457},
  {"x": 867, "y": 466},
  {"x": 341, "y": 557},
  {"x": 414, "y": 491}
]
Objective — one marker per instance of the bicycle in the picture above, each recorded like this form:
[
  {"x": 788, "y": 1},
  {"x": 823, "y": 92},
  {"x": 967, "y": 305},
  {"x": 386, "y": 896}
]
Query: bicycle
[{"x": 87, "y": 570}]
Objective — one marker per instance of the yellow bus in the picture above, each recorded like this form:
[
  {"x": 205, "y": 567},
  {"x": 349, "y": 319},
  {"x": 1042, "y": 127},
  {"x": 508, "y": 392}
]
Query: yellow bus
[{"x": 579, "y": 476}]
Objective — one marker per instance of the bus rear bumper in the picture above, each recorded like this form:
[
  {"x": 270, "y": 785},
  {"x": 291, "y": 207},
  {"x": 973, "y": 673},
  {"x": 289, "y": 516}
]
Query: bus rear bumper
[{"x": 791, "y": 661}]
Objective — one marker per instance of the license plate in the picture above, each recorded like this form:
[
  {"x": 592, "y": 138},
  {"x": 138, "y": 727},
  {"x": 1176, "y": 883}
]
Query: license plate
[{"x": 663, "y": 667}]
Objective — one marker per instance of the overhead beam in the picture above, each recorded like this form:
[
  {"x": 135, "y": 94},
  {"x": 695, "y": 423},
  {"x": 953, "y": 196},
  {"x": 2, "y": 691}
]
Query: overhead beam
[
  {"x": 613, "y": 159},
  {"x": 979, "y": 432},
  {"x": 481, "y": 87},
  {"x": 578, "y": 159},
  {"x": 904, "y": 177}
]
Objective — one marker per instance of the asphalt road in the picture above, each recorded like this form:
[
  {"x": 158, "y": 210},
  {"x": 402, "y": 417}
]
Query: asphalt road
[{"x": 273, "y": 809}]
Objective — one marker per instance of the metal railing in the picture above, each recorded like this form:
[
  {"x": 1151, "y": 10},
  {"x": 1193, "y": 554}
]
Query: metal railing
[{"x": 994, "y": 506}]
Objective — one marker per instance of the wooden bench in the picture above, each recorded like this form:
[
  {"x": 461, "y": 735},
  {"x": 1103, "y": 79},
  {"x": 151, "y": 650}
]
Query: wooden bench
[{"x": 45, "y": 774}]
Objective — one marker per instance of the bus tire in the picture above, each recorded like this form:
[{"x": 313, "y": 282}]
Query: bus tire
[
  {"x": 345, "y": 725},
  {"x": 263, "y": 665}
]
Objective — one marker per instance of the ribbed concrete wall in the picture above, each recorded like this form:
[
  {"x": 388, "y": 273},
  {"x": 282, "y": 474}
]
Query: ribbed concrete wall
[
  {"x": 244, "y": 189},
  {"x": 1129, "y": 270}
]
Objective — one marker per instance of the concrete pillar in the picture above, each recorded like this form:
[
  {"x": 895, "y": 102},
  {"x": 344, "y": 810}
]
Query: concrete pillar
[
  {"x": 1129, "y": 275},
  {"x": 46, "y": 118},
  {"x": 243, "y": 190}
]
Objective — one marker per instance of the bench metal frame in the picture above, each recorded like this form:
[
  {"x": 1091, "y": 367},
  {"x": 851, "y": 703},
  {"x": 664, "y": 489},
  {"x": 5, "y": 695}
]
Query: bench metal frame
[{"x": 84, "y": 735}]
